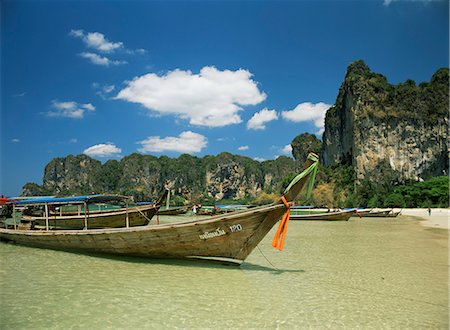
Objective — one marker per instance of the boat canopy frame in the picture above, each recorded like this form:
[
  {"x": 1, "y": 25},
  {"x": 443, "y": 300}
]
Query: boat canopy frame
[{"x": 77, "y": 200}]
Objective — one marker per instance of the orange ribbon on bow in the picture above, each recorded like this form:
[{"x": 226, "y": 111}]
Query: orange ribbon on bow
[{"x": 280, "y": 236}]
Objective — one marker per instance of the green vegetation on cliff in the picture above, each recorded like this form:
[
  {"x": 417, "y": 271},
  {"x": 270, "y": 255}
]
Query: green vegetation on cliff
[
  {"x": 426, "y": 102},
  {"x": 208, "y": 179}
]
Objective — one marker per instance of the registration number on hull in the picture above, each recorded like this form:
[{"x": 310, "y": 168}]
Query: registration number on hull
[{"x": 220, "y": 232}]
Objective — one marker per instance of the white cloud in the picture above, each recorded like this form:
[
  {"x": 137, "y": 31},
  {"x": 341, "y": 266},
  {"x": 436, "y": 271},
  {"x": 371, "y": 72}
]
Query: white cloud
[
  {"x": 88, "y": 106},
  {"x": 108, "y": 88},
  {"x": 76, "y": 33},
  {"x": 99, "y": 42},
  {"x": 242, "y": 148},
  {"x": 103, "y": 90},
  {"x": 308, "y": 112},
  {"x": 187, "y": 142},
  {"x": 15, "y": 140},
  {"x": 388, "y": 2},
  {"x": 140, "y": 51},
  {"x": 96, "y": 40},
  {"x": 102, "y": 150},
  {"x": 287, "y": 149},
  {"x": 19, "y": 94},
  {"x": 224, "y": 139},
  {"x": 69, "y": 109},
  {"x": 73, "y": 140},
  {"x": 259, "y": 159},
  {"x": 262, "y": 117},
  {"x": 210, "y": 98},
  {"x": 100, "y": 60}
]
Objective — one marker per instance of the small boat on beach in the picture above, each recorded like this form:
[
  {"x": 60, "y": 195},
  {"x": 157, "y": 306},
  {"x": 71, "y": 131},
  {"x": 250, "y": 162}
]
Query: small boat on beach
[
  {"x": 227, "y": 238},
  {"x": 382, "y": 213},
  {"x": 53, "y": 217},
  {"x": 328, "y": 216}
]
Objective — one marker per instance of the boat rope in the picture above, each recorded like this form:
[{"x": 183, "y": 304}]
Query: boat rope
[
  {"x": 267, "y": 258},
  {"x": 137, "y": 208},
  {"x": 280, "y": 235}
]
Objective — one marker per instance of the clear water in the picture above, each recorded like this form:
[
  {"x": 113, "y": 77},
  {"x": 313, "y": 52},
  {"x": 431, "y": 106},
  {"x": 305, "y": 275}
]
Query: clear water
[{"x": 376, "y": 273}]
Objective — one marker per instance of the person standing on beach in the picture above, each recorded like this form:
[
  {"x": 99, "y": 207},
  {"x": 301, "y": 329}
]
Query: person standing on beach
[{"x": 429, "y": 212}]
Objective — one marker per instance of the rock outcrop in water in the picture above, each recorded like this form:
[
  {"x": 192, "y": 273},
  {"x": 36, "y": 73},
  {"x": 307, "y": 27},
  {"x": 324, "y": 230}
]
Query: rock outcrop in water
[{"x": 377, "y": 127}]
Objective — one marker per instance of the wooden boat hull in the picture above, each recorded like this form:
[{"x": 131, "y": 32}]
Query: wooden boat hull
[
  {"x": 231, "y": 237},
  {"x": 382, "y": 214},
  {"x": 331, "y": 216},
  {"x": 138, "y": 216},
  {"x": 174, "y": 211}
]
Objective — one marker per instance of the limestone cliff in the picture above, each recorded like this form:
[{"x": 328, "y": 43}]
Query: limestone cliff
[
  {"x": 144, "y": 176},
  {"x": 71, "y": 173},
  {"x": 379, "y": 127}
]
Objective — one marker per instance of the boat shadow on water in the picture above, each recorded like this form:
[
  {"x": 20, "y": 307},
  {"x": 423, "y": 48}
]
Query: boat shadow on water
[
  {"x": 188, "y": 263},
  {"x": 193, "y": 263}
]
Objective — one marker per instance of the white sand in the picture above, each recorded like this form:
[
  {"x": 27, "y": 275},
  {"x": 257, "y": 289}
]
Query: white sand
[{"x": 439, "y": 217}]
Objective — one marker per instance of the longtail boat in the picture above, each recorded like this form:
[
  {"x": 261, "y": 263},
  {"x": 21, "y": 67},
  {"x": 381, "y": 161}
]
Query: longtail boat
[
  {"x": 85, "y": 218},
  {"x": 382, "y": 213},
  {"x": 174, "y": 211},
  {"x": 329, "y": 216},
  {"x": 228, "y": 238}
]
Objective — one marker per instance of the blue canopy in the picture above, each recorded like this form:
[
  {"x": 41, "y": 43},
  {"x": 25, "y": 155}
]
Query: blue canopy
[{"x": 71, "y": 200}]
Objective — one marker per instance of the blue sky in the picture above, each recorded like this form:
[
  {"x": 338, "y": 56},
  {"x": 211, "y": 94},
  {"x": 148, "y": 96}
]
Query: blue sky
[{"x": 111, "y": 78}]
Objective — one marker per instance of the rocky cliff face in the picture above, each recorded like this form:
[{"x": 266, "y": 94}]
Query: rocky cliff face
[
  {"x": 144, "y": 176},
  {"x": 378, "y": 127},
  {"x": 304, "y": 144},
  {"x": 71, "y": 172}
]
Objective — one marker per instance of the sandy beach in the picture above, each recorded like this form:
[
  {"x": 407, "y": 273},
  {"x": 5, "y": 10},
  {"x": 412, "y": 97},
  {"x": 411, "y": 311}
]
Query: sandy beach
[{"x": 439, "y": 218}]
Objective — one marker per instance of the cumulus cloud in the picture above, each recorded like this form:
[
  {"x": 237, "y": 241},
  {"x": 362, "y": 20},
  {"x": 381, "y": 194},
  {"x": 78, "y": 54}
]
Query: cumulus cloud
[
  {"x": 242, "y": 148},
  {"x": 210, "y": 98},
  {"x": 287, "y": 149},
  {"x": 15, "y": 140},
  {"x": 69, "y": 109},
  {"x": 100, "y": 60},
  {"x": 259, "y": 159},
  {"x": 96, "y": 40},
  {"x": 259, "y": 119},
  {"x": 308, "y": 112},
  {"x": 187, "y": 142},
  {"x": 102, "y": 150}
]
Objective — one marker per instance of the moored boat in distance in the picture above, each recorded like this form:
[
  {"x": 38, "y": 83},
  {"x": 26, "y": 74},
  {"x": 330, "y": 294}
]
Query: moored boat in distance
[
  {"x": 230, "y": 237},
  {"x": 325, "y": 216},
  {"x": 385, "y": 213},
  {"x": 54, "y": 218}
]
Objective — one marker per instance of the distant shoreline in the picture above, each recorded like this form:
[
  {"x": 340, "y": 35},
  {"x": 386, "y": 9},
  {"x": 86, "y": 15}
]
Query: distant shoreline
[{"x": 439, "y": 217}]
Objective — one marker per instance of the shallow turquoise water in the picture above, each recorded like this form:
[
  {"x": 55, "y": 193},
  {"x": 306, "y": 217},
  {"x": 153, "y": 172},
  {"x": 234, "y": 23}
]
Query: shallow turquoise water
[{"x": 377, "y": 273}]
